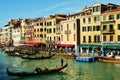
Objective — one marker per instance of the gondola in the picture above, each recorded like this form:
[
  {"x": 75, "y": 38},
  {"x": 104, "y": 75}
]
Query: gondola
[
  {"x": 36, "y": 73},
  {"x": 109, "y": 59},
  {"x": 35, "y": 58}
]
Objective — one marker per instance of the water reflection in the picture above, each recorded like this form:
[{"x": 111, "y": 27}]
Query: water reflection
[{"x": 74, "y": 71}]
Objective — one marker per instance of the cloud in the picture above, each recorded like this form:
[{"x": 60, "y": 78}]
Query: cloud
[{"x": 56, "y": 6}]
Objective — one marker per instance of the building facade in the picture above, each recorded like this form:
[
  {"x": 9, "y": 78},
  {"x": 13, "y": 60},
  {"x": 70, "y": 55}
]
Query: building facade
[
  {"x": 69, "y": 30},
  {"x": 99, "y": 27}
]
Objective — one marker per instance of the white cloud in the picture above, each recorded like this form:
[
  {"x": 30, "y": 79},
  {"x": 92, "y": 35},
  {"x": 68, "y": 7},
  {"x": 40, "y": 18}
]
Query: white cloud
[{"x": 56, "y": 6}]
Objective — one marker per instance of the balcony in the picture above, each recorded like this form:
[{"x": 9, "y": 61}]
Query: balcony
[
  {"x": 108, "y": 22},
  {"x": 57, "y": 42},
  {"x": 67, "y": 31},
  {"x": 50, "y": 41},
  {"x": 58, "y": 32},
  {"x": 108, "y": 31}
]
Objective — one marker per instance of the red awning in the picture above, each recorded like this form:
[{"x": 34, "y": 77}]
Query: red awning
[
  {"x": 64, "y": 45},
  {"x": 33, "y": 43}
]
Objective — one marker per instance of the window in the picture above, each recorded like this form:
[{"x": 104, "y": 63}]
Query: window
[
  {"x": 54, "y": 38},
  {"x": 61, "y": 37},
  {"x": 37, "y": 24},
  {"x": 54, "y": 30},
  {"x": 37, "y": 30},
  {"x": 74, "y": 26},
  {"x": 41, "y": 30},
  {"x": 50, "y": 39},
  {"x": 93, "y": 9},
  {"x": 111, "y": 17},
  {"x": 67, "y": 27},
  {"x": 41, "y": 24},
  {"x": 89, "y": 20},
  {"x": 96, "y": 38},
  {"x": 97, "y": 8},
  {"x": 88, "y": 28},
  {"x": 61, "y": 28},
  {"x": 89, "y": 38},
  {"x": 93, "y": 28},
  {"x": 97, "y": 28},
  {"x": 50, "y": 30},
  {"x": 34, "y": 30},
  {"x": 45, "y": 23},
  {"x": 83, "y": 20},
  {"x": 96, "y": 18},
  {"x": 44, "y": 29},
  {"x": 104, "y": 38},
  {"x": 111, "y": 38},
  {"x": 104, "y": 18},
  {"x": 37, "y": 35},
  {"x": 74, "y": 37},
  {"x": 111, "y": 27},
  {"x": 118, "y": 16},
  {"x": 104, "y": 27},
  {"x": 41, "y": 35},
  {"x": 118, "y": 37},
  {"x": 83, "y": 29},
  {"x": 44, "y": 35},
  {"x": 84, "y": 39},
  {"x": 118, "y": 26},
  {"x": 67, "y": 37}
]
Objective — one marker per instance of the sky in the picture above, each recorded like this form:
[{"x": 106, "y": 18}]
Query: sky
[{"x": 15, "y": 9}]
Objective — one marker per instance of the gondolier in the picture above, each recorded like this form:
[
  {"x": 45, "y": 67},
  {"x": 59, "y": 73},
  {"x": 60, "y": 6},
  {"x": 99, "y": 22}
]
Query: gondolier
[{"x": 62, "y": 62}]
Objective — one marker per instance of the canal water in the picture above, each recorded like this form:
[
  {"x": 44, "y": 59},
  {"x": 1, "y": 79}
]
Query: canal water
[{"x": 74, "y": 71}]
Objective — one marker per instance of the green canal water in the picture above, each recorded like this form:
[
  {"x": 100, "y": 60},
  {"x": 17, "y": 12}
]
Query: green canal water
[{"x": 74, "y": 71}]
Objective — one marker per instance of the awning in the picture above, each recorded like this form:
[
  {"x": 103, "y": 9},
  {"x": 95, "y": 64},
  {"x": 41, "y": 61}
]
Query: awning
[
  {"x": 65, "y": 45},
  {"x": 90, "y": 46},
  {"x": 33, "y": 43},
  {"x": 100, "y": 46}
]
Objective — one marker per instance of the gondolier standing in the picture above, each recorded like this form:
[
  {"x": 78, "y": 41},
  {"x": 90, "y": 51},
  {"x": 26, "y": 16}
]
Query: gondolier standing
[{"x": 62, "y": 62}]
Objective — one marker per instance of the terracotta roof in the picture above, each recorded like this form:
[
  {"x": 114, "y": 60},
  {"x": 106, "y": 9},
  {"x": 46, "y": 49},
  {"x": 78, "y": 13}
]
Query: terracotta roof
[{"x": 113, "y": 10}]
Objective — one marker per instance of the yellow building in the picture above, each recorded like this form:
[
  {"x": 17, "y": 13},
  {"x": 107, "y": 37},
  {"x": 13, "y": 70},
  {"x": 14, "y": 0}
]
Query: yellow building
[
  {"x": 110, "y": 29},
  {"x": 70, "y": 31},
  {"x": 40, "y": 31},
  {"x": 23, "y": 31},
  {"x": 51, "y": 24},
  {"x": 99, "y": 27}
]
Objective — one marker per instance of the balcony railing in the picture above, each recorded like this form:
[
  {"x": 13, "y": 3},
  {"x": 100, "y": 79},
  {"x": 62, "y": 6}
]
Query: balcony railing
[
  {"x": 107, "y": 31},
  {"x": 50, "y": 41},
  {"x": 58, "y": 32},
  {"x": 67, "y": 31},
  {"x": 57, "y": 42}
]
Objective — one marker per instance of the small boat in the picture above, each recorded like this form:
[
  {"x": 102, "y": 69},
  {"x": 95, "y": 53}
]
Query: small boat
[
  {"x": 109, "y": 59},
  {"x": 35, "y": 58},
  {"x": 36, "y": 73},
  {"x": 70, "y": 56},
  {"x": 84, "y": 59}
]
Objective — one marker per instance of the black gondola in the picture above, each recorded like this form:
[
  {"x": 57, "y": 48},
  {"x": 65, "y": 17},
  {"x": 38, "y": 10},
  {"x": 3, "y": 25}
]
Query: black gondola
[
  {"x": 36, "y": 73},
  {"x": 35, "y": 58}
]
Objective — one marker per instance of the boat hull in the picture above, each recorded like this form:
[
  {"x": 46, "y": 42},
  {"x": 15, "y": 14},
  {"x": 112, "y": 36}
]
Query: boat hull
[
  {"x": 36, "y": 58},
  {"x": 109, "y": 59},
  {"x": 33, "y": 73}
]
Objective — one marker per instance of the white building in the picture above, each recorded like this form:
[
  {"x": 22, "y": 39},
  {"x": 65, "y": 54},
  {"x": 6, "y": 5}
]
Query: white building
[{"x": 16, "y": 34}]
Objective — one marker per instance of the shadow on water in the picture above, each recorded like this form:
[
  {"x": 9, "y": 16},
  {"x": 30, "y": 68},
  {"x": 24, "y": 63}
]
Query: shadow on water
[{"x": 54, "y": 76}]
